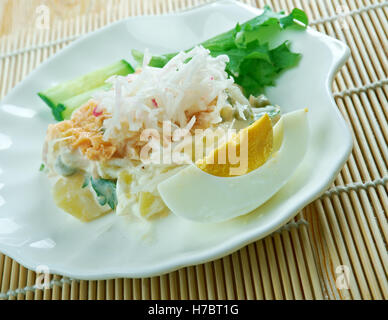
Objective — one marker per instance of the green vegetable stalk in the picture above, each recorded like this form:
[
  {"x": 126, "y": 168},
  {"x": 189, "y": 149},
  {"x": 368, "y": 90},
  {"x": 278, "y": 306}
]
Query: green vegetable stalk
[
  {"x": 67, "y": 96},
  {"x": 105, "y": 191}
]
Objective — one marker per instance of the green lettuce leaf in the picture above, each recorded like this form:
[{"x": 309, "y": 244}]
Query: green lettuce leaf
[{"x": 254, "y": 64}]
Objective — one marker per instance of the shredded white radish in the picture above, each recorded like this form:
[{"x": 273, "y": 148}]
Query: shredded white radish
[{"x": 191, "y": 88}]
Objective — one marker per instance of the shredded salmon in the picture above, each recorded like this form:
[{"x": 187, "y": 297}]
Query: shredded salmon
[{"x": 84, "y": 131}]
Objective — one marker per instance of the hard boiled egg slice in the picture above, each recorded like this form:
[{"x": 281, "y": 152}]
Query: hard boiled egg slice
[{"x": 198, "y": 196}]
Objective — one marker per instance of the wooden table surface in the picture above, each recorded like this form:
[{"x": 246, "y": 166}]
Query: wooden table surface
[{"x": 16, "y": 14}]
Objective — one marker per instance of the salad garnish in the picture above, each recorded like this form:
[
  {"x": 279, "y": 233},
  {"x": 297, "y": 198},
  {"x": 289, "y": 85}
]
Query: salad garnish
[
  {"x": 254, "y": 61},
  {"x": 124, "y": 131}
]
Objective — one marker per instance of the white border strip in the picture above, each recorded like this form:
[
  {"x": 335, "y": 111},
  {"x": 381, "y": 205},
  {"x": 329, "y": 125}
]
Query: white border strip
[
  {"x": 356, "y": 186},
  {"x": 291, "y": 225},
  {"x": 24, "y": 290},
  {"x": 40, "y": 46},
  {"x": 350, "y": 13},
  {"x": 374, "y": 85}
]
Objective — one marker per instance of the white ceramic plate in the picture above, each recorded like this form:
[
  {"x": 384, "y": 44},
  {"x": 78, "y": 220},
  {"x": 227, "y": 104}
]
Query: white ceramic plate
[{"x": 35, "y": 232}]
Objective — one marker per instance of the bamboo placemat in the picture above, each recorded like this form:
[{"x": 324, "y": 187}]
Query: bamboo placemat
[{"x": 343, "y": 235}]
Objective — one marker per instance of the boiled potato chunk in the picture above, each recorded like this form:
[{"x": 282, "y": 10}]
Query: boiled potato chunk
[
  {"x": 143, "y": 204},
  {"x": 150, "y": 204},
  {"x": 124, "y": 196},
  {"x": 72, "y": 198}
]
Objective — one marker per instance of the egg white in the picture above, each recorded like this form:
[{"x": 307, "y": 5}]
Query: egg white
[{"x": 198, "y": 196}]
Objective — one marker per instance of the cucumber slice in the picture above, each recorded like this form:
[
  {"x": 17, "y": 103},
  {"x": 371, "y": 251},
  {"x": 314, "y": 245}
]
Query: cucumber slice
[
  {"x": 70, "y": 105},
  {"x": 56, "y": 97}
]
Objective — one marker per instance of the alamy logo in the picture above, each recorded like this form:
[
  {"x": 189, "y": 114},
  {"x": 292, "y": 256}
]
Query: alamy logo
[
  {"x": 42, "y": 277},
  {"x": 42, "y": 21},
  {"x": 343, "y": 277},
  {"x": 343, "y": 12}
]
